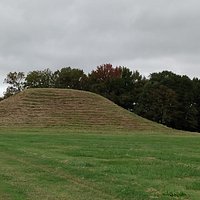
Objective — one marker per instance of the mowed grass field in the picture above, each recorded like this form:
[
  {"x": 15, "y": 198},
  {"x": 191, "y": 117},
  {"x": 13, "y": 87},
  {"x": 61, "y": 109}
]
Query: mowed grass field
[
  {"x": 87, "y": 165},
  {"x": 76, "y": 145}
]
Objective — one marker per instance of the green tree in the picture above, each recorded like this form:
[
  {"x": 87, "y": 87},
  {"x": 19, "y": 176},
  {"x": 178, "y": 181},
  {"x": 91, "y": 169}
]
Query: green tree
[
  {"x": 186, "y": 111},
  {"x": 130, "y": 86},
  {"x": 40, "y": 79},
  {"x": 196, "y": 103},
  {"x": 157, "y": 102},
  {"x": 104, "y": 79},
  {"x": 16, "y": 83},
  {"x": 119, "y": 84},
  {"x": 70, "y": 78}
]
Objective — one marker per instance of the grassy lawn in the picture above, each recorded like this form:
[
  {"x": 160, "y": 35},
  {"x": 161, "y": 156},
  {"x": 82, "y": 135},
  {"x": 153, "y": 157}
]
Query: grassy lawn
[{"x": 89, "y": 166}]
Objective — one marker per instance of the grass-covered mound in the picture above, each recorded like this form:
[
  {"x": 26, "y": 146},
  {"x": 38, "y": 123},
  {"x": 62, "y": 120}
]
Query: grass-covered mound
[
  {"x": 70, "y": 109},
  {"x": 75, "y": 162}
]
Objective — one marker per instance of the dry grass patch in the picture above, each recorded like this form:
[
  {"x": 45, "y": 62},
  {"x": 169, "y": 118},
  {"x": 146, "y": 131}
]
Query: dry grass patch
[{"x": 67, "y": 108}]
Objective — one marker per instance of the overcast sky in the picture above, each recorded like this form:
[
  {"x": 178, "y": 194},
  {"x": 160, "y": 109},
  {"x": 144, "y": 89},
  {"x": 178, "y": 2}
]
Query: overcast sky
[{"x": 144, "y": 35}]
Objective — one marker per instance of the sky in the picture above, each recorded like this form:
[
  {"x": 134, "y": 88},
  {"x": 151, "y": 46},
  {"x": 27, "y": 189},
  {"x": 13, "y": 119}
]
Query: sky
[{"x": 144, "y": 35}]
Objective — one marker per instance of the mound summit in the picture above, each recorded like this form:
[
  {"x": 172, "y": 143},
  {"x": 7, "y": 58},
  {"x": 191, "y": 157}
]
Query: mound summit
[{"x": 70, "y": 109}]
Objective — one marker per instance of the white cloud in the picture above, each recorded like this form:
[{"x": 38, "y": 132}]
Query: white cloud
[{"x": 153, "y": 35}]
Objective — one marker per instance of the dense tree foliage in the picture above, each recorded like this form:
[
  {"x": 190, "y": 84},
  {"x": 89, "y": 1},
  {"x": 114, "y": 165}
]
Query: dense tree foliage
[
  {"x": 40, "y": 79},
  {"x": 69, "y": 78},
  {"x": 164, "y": 97},
  {"x": 118, "y": 84},
  {"x": 157, "y": 102},
  {"x": 186, "y": 111}
]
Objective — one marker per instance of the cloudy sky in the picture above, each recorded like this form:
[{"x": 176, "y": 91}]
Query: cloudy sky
[{"x": 144, "y": 35}]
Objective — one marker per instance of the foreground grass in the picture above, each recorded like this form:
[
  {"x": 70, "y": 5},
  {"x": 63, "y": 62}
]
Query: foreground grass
[{"x": 74, "y": 165}]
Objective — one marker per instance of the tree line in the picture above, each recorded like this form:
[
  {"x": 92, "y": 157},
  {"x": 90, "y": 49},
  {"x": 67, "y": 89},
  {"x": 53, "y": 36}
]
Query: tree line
[{"x": 164, "y": 97}]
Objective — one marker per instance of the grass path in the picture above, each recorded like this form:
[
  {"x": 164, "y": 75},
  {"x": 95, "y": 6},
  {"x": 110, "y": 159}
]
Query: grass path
[{"x": 73, "y": 166}]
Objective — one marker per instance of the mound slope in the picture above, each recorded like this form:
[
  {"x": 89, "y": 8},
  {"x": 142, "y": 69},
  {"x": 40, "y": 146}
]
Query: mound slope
[{"x": 68, "y": 108}]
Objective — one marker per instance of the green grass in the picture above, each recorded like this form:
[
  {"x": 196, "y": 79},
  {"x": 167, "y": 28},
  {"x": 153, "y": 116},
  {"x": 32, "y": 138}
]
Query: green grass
[{"x": 87, "y": 165}]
